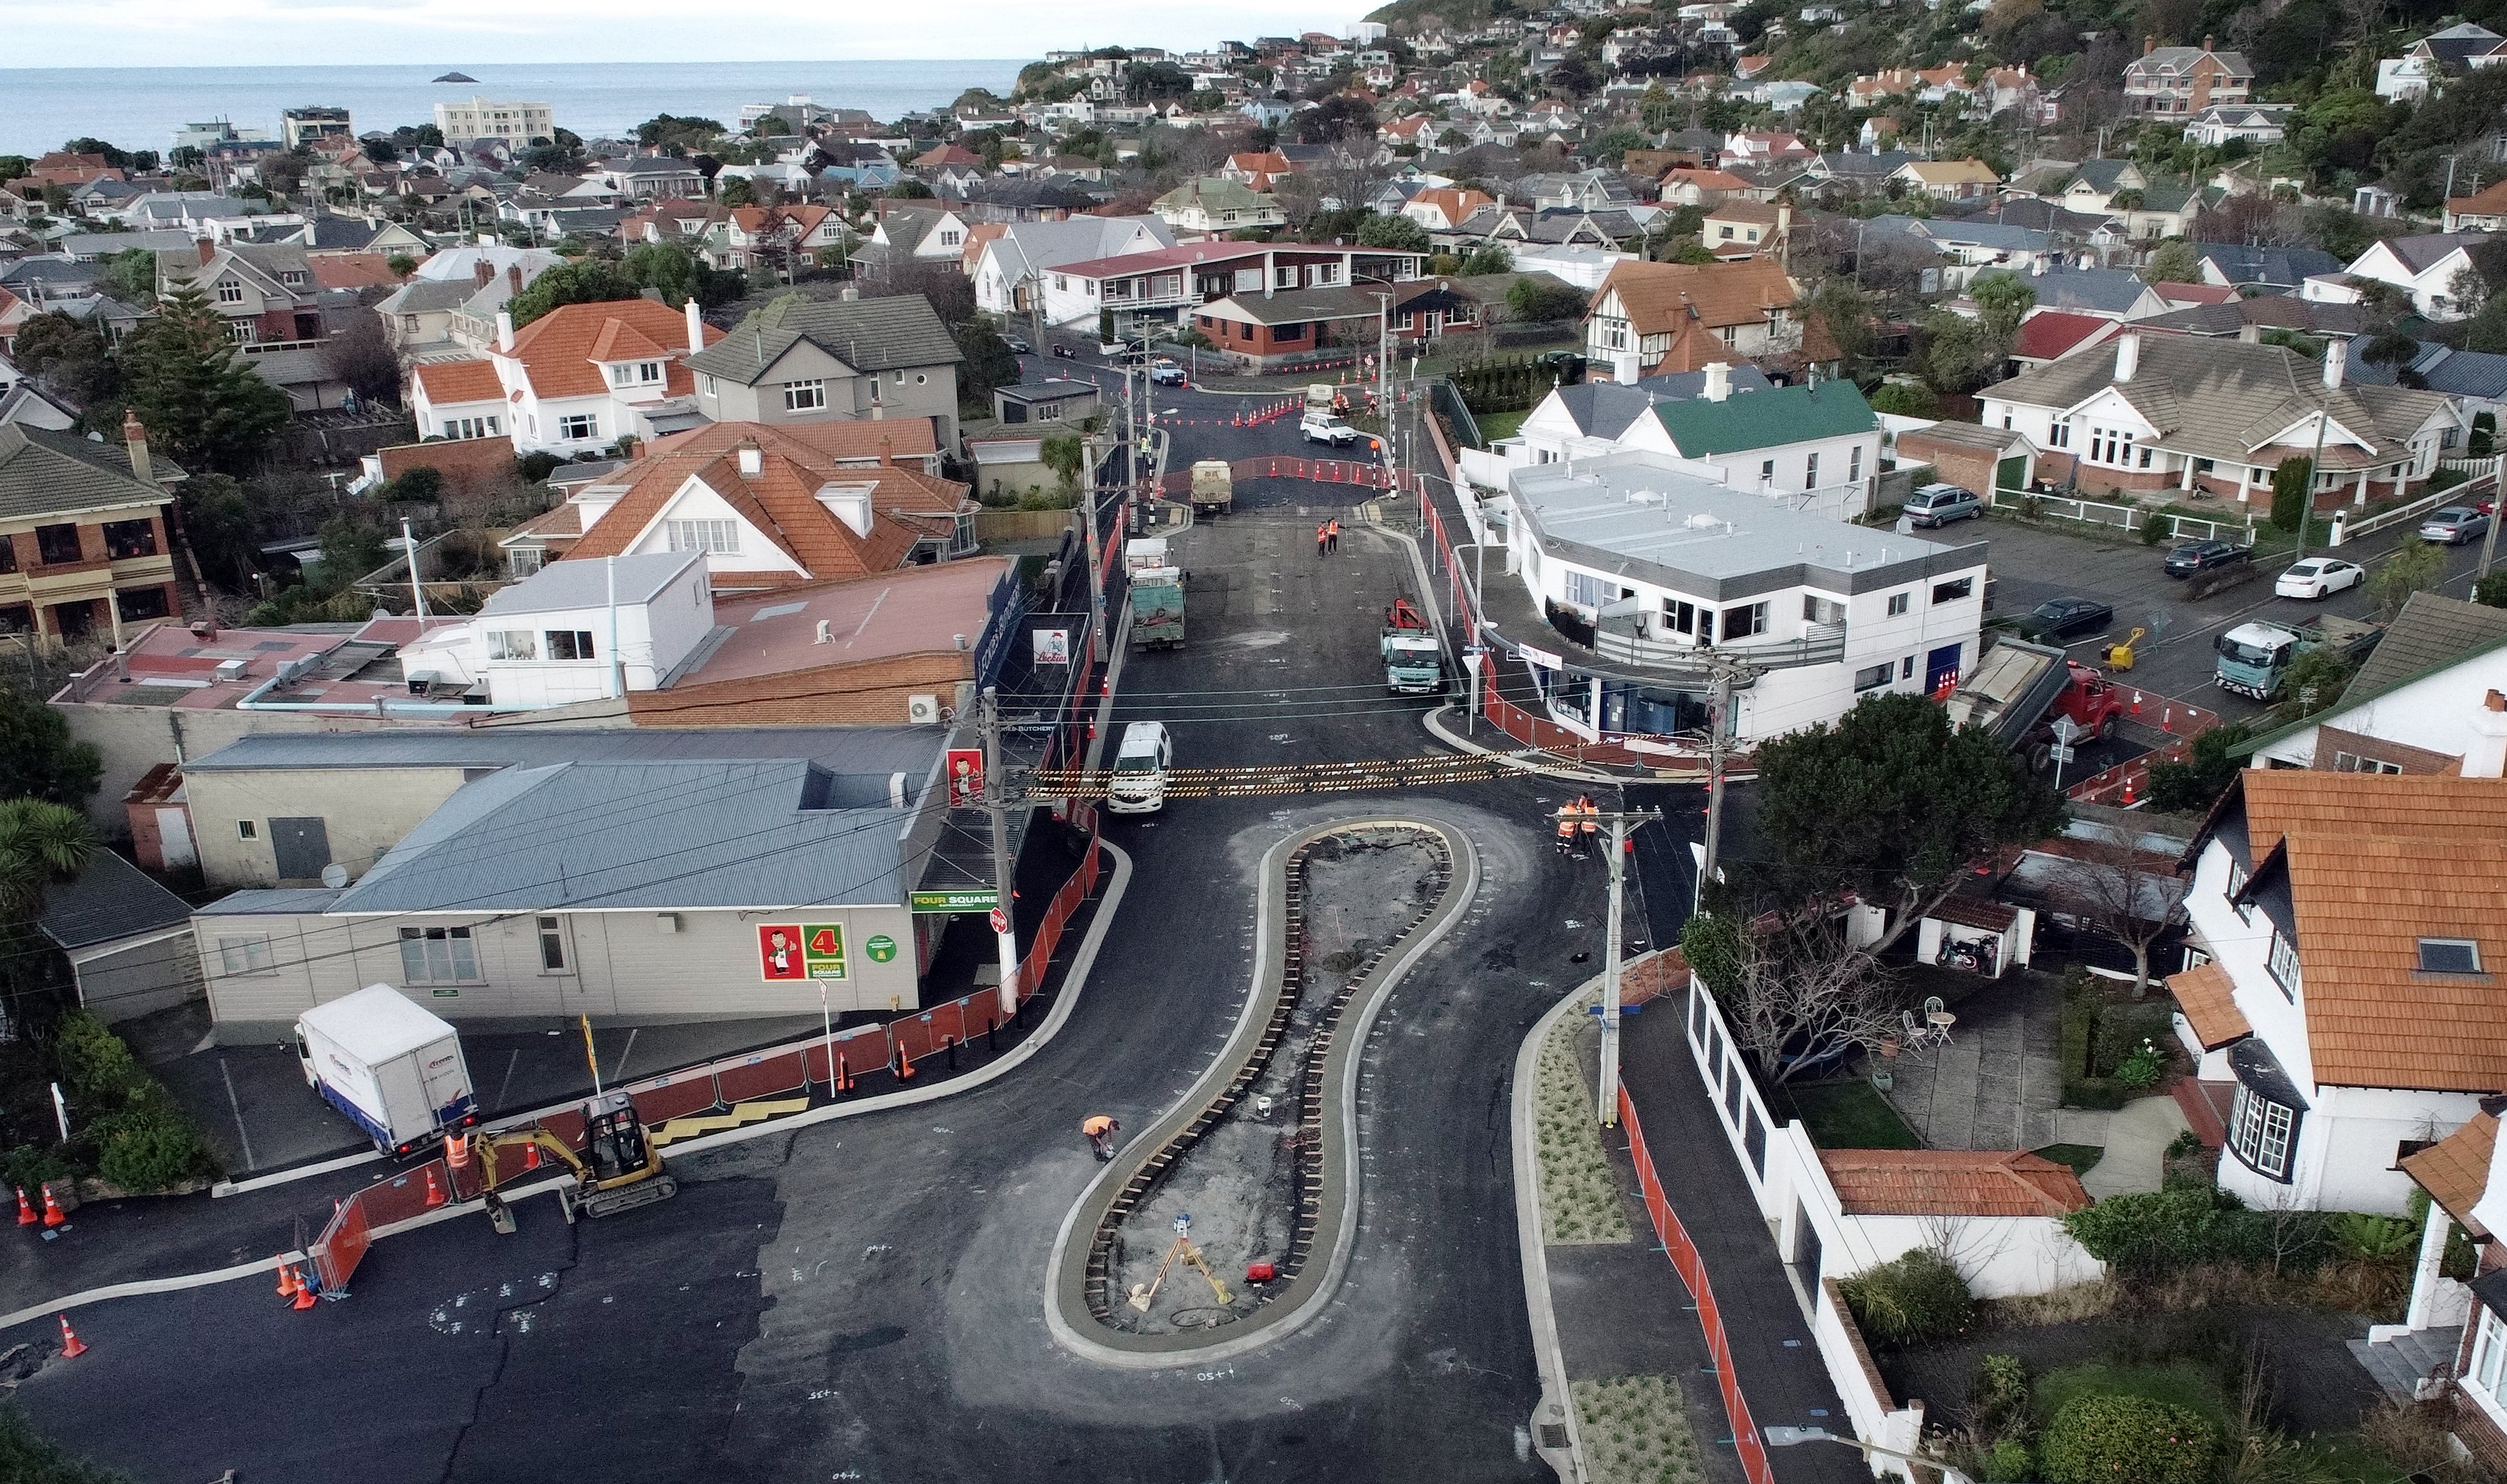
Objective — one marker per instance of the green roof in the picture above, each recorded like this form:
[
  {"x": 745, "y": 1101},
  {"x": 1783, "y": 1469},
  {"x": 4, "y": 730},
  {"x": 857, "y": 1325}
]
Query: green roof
[{"x": 1765, "y": 419}]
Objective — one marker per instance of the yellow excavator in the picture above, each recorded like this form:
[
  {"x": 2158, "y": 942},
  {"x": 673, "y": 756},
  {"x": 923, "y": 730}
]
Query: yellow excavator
[{"x": 618, "y": 1170}]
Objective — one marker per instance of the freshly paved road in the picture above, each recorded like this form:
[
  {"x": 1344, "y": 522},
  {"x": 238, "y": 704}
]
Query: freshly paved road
[{"x": 865, "y": 1299}]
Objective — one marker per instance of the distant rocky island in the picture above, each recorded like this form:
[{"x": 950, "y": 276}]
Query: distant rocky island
[{"x": 457, "y": 77}]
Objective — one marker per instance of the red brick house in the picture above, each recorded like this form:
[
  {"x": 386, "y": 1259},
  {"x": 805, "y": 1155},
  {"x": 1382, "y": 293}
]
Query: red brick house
[{"x": 84, "y": 545}]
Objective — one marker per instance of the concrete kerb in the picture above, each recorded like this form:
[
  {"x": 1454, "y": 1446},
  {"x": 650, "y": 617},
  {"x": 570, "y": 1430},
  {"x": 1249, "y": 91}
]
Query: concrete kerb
[
  {"x": 1548, "y": 1356},
  {"x": 1073, "y": 982},
  {"x": 1065, "y": 1308}
]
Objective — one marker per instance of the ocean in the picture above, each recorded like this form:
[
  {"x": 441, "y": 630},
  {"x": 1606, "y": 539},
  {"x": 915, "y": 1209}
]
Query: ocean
[{"x": 139, "y": 108}]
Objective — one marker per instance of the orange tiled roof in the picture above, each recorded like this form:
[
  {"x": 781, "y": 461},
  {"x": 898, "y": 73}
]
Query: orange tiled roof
[
  {"x": 2418, "y": 806},
  {"x": 1951, "y": 1183},
  {"x": 2455, "y": 1170},
  {"x": 555, "y": 349},
  {"x": 904, "y": 439},
  {"x": 780, "y": 500},
  {"x": 353, "y": 269},
  {"x": 449, "y": 382},
  {"x": 2206, "y": 996}
]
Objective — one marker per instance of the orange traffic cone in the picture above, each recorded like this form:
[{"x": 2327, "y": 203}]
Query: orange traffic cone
[
  {"x": 287, "y": 1284},
  {"x": 72, "y": 1347},
  {"x": 904, "y": 1066},
  {"x": 843, "y": 1074},
  {"x": 532, "y": 1155},
  {"x": 305, "y": 1296},
  {"x": 434, "y": 1192},
  {"x": 2127, "y": 790},
  {"x": 25, "y": 1213},
  {"x": 53, "y": 1214}
]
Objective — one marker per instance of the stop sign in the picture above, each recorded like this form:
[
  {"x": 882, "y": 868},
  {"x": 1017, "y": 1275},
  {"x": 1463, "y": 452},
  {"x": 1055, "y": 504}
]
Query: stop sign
[{"x": 1000, "y": 921}]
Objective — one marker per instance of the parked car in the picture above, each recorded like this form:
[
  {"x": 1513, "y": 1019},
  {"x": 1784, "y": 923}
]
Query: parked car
[
  {"x": 1017, "y": 345},
  {"x": 2205, "y": 555},
  {"x": 1941, "y": 504},
  {"x": 1167, "y": 373},
  {"x": 2061, "y": 619},
  {"x": 1328, "y": 429},
  {"x": 2318, "y": 577},
  {"x": 2453, "y": 526}
]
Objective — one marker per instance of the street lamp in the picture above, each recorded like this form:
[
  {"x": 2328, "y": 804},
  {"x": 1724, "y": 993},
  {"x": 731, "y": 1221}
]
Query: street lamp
[{"x": 1786, "y": 1437}]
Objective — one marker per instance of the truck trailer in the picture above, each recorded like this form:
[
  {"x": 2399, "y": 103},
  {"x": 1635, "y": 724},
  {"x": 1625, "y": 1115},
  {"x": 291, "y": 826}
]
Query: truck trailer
[{"x": 391, "y": 1064}]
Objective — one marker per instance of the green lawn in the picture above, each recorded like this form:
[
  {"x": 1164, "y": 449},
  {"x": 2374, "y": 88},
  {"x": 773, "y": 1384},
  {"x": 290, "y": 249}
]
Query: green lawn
[
  {"x": 2181, "y": 1382},
  {"x": 1497, "y": 425},
  {"x": 1850, "y": 1115},
  {"x": 2079, "y": 1156}
]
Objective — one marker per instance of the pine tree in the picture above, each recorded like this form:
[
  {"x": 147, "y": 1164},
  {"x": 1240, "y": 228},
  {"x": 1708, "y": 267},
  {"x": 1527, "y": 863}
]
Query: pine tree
[{"x": 201, "y": 404}]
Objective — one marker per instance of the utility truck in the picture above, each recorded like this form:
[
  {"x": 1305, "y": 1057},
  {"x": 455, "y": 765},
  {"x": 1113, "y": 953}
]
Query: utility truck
[
  {"x": 391, "y": 1064},
  {"x": 1413, "y": 663},
  {"x": 2253, "y": 658}
]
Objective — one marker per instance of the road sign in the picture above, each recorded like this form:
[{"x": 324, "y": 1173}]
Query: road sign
[
  {"x": 2061, "y": 753},
  {"x": 1000, "y": 921},
  {"x": 2066, "y": 730},
  {"x": 1540, "y": 657},
  {"x": 976, "y": 899}
]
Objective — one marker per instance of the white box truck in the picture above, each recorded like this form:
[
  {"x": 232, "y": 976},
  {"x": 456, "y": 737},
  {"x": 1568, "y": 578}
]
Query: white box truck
[{"x": 391, "y": 1064}]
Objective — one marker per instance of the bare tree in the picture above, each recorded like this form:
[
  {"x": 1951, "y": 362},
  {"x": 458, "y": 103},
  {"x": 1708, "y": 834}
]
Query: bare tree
[
  {"x": 2130, "y": 895},
  {"x": 1794, "y": 988}
]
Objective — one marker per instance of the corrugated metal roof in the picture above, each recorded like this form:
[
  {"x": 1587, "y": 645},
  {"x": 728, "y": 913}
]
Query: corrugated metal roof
[
  {"x": 639, "y": 835},
  {"x": 909, "y": 751},
  {"x": 569, "y": 585},
  {"x": 1766, "y": 420}
]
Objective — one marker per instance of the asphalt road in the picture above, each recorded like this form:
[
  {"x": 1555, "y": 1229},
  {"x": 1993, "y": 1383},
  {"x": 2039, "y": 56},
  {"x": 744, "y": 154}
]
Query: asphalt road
[{"x": 864, "y": 1299}]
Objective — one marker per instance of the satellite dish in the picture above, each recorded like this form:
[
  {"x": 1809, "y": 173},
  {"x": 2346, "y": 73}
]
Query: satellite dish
[{"x": 335, "y": 876}]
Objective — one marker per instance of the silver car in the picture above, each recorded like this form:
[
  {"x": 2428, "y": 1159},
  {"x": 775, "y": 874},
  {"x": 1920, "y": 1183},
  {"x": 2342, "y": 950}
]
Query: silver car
[{"x": 1941, "y": 504}]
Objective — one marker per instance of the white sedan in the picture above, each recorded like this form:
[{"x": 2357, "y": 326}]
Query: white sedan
[{"x": 2318, "y": 577}]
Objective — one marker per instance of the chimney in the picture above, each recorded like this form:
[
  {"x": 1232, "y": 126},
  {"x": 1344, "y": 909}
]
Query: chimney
[
  {"x": 2206, "y": 44},
  {"x": 2486, "y": 757},
  {"x": 886, "y": 452},
  {"x": 514, "y": 277},
  {"x": 2334, "y": 363},
  {"x": 134, "y": 437},
  {"x": 696, "y": 329},
  {"x": 2127, "y": 357},
  {"x": 752, "y": 462},
  {"x": 1719, "y": 381},
  {"x": 505, "y": 331},
  {"x": 848, "y": 293},
  {"x": 483, "y": 273},
  {"x": 2250, "y": 334},
  {"x": 2149, "y": 44},
  {"x": 207, "y": 249}
]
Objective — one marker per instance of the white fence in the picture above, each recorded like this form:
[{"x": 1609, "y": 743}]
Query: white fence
[
  {"x": 2128, "y": 518},
  {"x": 2484, "y": 479}
]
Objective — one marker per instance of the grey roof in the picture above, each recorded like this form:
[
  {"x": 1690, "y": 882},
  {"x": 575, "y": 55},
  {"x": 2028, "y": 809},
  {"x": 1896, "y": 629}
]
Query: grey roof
[
  {"x": 760, "y": 833},
  {"x": 2425, "y": 251},
  {"x": 587, "y": 584},
  {"x": 2105, "y": 174},
  {"x": 1028, "y": 246},
  {"x": 865, "y": 333},
  {"x": 109, "y": 901},
  {"x": 2440, "y": 368},
  {"x": 1679, "y": 531},
  {"x": 1863, "y": 165},
  {"x": 1605, "y": 409},
  {"x": 2281, "y": 312},
  {"x": 2094, "y": 290},
  {"x": 420, "y": 296},
  {"x": 851, "y": 750},
  {"x": 101, "y": 243},
  {"x": 2431, "y": 631},
  {"x": 2272, "y": 267},
  {"x": 43, "y": 472},
  {"x": 272, "y": 899},
  {"x": 1989, "y": 236}
]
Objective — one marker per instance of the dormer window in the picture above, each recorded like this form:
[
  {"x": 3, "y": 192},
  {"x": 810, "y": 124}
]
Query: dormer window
[
  {"x": 2449, "y": 956},
  {"x": 230, "y": 291}
]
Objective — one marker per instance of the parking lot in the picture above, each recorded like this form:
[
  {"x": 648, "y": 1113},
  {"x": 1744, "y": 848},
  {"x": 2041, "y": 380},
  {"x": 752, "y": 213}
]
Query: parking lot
[{"x": 2032, "y": 563}]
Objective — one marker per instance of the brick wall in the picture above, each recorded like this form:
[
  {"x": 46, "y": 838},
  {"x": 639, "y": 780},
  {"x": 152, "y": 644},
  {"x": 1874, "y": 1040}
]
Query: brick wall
[
  {"x": 870, "y": 694},
  {"x": 2332, "y": 740}
]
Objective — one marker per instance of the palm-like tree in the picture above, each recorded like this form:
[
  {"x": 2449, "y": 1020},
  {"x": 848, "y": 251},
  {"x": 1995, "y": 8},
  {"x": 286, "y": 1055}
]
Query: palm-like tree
[{"x": 41, "y": 844}]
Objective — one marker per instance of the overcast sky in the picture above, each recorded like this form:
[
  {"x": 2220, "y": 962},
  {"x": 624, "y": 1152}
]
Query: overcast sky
[{"x": 93, "y": 34}]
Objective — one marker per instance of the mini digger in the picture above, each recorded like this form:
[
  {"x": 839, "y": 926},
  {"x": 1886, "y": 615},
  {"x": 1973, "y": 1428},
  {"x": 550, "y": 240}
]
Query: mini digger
[{"x": 619, "y": 1168}]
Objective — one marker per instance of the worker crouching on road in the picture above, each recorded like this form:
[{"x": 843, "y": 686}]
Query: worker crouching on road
[{"x": 1100, "y": 1130}]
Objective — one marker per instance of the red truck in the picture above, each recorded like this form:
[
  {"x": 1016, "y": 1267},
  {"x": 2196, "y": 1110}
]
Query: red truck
[{"x": 2017, "y": 690}]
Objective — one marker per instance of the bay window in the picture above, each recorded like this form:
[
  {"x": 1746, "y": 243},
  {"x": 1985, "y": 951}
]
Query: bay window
[{"x": 2263, "y": 1133}]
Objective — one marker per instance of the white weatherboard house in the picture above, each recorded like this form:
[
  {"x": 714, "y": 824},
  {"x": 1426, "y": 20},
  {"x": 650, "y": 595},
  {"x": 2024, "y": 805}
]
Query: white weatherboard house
[
  {"x": 2415, "y": 703},
  {"x": 2349, "y": 1013},
  {"x": 1667, "y": 566}
]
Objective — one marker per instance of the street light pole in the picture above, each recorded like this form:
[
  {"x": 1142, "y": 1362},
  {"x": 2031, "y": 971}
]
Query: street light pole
[
  {"x": 996, "y": 805},
  {"x": 1606, "y": 1096}
]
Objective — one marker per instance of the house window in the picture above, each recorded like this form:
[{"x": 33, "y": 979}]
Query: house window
[
  {"x": 804, "y": 397},
  {"x": 139, "y": 603},
  {"x": 2351, "y": 762},
  {"x": 551, "y": 935},
  {"x": 622, "y": 375},
  {"x": 648, "y": 372},
  {"x": 513, "y": 644},
  {"x": 1679, "y": 617},
  {"x": 438, "y": 956},
  {"x": 230, "y": 292},
  {"x": 2237, "y": 878},
  {"x": 1853, "y": 463},
  {"x": 1587, "y": 591},
  {"x": 1743, "y": 622},
  {"x": 2283, "y": 961},
  {"x": 579, "y": 427},
  {"x": 570, "y": 644},
  {"x": 244, "y": 332},
  {"x": 1874, "y": 676},
  {"x": 58, "y": 545},
  {"x": 244, "y": 956},
  {"x": 1900, "y": 603},
  {"x": 1906, "y": 668},
  {"x": 1955, "y": 591},
  {"x": 127, "y": 539},
  {"x": 1768, "y": 470},
  {"x": 2449, "y": 956},
  {"x": 706, "y": 386},
  {"x": 2062, "y": 438},
  {"x": 2260, "y": 1133},
  {"x": 468, "y": 427},
  {"x": 1810, "y": 472},
  {"x": 522, "y": 561},
  {"x": 1822, "y": 610},
  {"x": 706, "y": 536},
  {"x": 2488, "y": 1351}
]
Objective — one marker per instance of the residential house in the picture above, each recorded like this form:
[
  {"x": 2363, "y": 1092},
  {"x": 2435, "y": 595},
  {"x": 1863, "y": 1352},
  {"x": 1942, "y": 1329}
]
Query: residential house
[
  {"x": 1692, "y": 186},
  {"x": 2483, "y": 210},
  {"x": 1667, "y": 571},
  {"x": 2219, "y": 416},
  {"x": 799, "y": 360},
  {"x": 2109, "y": 293},
  {"x": 1949, "y": 180},
  {"x": 2451, "y": 1342},
  {"x": 1587, "y": 420},
  {"x": 1744, "y": 229},
  {"x": 2425, "y": 266},
  {"x": 2345, "y": 1009},
  {"x": 652, "y": 177},
  {"x": 84, "y": 544},
  {"x": 2183, "y": 81},
  {"x": 2475, "y": 381},
  {"x": 1165, "y": 284},
  {"x": 2415, "y": 704},
  {"x": 2049, "y": 335},
  {"x": 911, "y": 232},
  {"x": 1009, "y": 268},
  {"x": 2252, "y": 122},
  {"x": 2461, "y": 48},
  {"x": 2404, "y": 79},
  {"x": 1444, "y": 208},
  {"x": 1648, "y": 318},
  {"x": 265, "y": 294},
  {"x": 575, "y": 381},
  {"x": 446, "y": 310},
  {"x": 1255, "y": 170},
  {"x": 1214, "y": 205},
  {"x": 1264, "y": 332},
  {"x": 773, "y": 505},
  {"x": 782, "y": 237},
  {"x": 2278, "y": 269}
]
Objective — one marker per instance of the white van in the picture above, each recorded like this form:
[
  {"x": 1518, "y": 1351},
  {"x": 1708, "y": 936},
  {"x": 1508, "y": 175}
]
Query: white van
[{"x": 1140, "y": 781}]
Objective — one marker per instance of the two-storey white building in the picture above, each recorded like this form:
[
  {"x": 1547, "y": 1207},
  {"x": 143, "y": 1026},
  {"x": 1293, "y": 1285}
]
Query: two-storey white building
[
  {"x": 1667, "y": 569},
  {"x": 575, "y": 381}
]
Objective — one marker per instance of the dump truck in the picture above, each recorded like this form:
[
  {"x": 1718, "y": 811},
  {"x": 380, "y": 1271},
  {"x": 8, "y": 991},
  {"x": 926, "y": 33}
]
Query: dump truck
[
  {"x": 2019, "y": 689},
  {"x": 1157, "y": 607},
  {"x": 2253, "y": 658},
  {"x": 1413, "y": 663},
  {"x": 391, "y": 1064},
  {"x": 1212, "y": 492}
]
